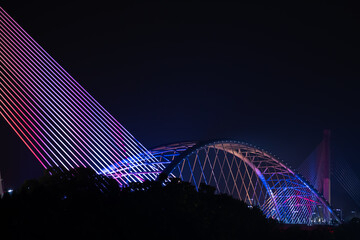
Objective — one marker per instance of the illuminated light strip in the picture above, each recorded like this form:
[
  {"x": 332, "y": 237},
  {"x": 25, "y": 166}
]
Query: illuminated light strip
[
  {"x": 22, "y": 139},
  {"x": 34, "y": 114},
  {"x": 81, "y": 149},
  {"x": 296, "y": 200},
  {"x": 49, "y": 123},
  {"x": 73, "y": 107},
  {"x": 76, "y": 151},
  {"x": 19, "y": 122},
  {"x": 26, "y": 122},
  {"x": 75, "y": 121},
  {"x": 25, "y": 98},
  {"x": 55, "y": 103},
  {"x": 139, "y": 164},
  {"x": 88, "y": 95},
  {"x": 111, "y": 126},
  {"x": 13, "y": 71}
]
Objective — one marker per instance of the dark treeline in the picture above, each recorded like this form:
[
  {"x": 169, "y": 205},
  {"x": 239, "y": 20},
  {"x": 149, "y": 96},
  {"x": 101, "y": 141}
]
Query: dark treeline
[{"x": 80, "y": 204}]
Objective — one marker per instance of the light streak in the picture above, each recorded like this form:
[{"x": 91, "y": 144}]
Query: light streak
[{"x": 57, "y": 119}]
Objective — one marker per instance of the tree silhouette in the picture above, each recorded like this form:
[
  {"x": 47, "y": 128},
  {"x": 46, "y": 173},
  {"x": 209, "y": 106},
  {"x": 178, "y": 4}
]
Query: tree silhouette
[{"x": 80, "y": 204}]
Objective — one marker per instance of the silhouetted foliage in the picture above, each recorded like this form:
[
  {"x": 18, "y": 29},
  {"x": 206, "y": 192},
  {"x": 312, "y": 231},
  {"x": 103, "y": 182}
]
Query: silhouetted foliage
[{"x": 79, "y": 204}]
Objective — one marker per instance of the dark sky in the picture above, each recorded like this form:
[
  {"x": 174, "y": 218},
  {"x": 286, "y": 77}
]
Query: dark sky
[{"x": 274, "y": 75}]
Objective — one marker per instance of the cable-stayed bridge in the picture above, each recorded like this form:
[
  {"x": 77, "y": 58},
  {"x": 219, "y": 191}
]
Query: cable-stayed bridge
[
  {"x": 65, "y": 127},
  {"x": 319, "y": 169},
  {"x": 57, "y": 119}
]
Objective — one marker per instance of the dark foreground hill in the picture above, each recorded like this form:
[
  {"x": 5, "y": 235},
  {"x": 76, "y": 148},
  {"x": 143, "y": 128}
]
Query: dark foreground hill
[{"x": 83, "y": 205}]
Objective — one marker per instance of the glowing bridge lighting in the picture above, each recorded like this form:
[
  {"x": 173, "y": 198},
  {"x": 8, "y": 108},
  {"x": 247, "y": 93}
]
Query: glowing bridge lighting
[
  {"x": 65, "y": 127},
  {"x": 57, "y": 119}
]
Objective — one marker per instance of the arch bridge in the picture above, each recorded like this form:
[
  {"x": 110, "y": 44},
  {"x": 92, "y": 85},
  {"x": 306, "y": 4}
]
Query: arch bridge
[
  {"x": 247, "y": 173},
  {"x": 65, "y": 127}
]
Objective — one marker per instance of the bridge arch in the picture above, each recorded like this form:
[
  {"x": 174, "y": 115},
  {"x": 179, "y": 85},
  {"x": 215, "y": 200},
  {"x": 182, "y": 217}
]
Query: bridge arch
[{"x": 250, "y": 174}]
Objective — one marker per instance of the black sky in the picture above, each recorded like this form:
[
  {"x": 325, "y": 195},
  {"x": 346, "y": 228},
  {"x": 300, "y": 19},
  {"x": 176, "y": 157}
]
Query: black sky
[{"x": 274, "y": 75}]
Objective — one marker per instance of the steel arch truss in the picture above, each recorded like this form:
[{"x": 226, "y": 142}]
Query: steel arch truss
[{"x": 249, "y": 174}]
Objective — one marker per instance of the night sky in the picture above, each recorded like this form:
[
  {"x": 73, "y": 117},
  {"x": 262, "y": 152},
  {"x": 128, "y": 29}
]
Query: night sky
[{"x": 273, "y": 75}]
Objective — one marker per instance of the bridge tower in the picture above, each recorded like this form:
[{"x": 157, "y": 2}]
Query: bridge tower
[
  {"x": 323, "y": 161},
  {"x": 316, "y": 168}
]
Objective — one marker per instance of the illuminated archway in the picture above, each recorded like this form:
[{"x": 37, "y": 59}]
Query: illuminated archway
[{"x": 250, "y": 174}]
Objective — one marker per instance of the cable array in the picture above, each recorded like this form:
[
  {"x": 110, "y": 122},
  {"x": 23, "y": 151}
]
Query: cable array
[
  {"x": 348, "y": 179},
  {"x": 57, "y": 119},
  {"x": 316, "y": 168},
  {"x": 310, "y": 169}
]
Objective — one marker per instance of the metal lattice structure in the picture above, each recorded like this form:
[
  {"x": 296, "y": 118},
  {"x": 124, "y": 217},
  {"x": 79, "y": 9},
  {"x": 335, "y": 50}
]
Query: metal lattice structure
[{"x": 249, "y": 174}]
